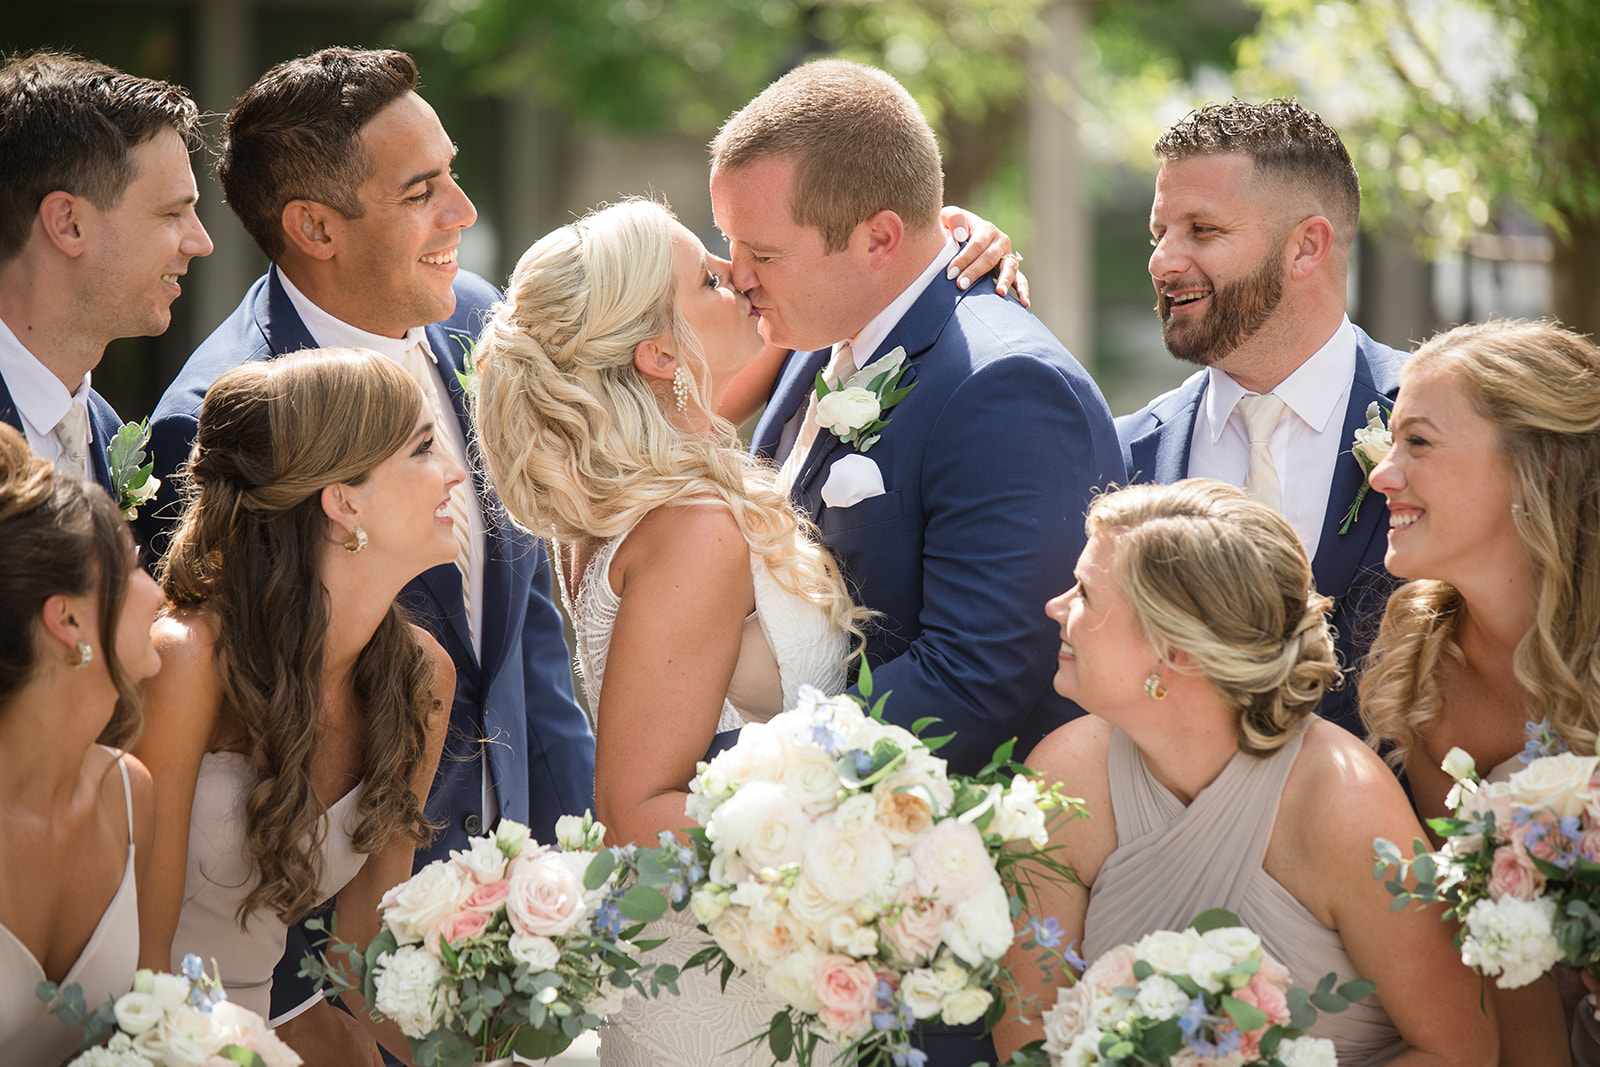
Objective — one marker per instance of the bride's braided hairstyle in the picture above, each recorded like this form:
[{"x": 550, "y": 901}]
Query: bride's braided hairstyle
[
  {"x": 576, "y": 440},
  {"x": 1224, "y": 579},
  {"x": 272, "y": 435},
  {"x": 1540, "y": 386}
]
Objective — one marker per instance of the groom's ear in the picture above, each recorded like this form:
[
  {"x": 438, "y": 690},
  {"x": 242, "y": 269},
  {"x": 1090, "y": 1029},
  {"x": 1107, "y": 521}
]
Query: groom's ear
[
  {"x": 310, "y": 228},
  {"x": 883, "y": 234},
  {"x": 653, "y": 359}
]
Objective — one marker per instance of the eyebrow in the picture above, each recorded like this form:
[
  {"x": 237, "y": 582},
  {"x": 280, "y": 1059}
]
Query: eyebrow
[{"x": 429, "y": 175}]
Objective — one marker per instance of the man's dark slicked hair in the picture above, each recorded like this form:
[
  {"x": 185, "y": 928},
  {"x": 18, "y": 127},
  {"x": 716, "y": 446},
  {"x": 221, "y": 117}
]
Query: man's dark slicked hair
[
  {"x": 67, "y": 124},
  {"x": 1285, "y": 140},
  {"x": 295, "y": 135}
]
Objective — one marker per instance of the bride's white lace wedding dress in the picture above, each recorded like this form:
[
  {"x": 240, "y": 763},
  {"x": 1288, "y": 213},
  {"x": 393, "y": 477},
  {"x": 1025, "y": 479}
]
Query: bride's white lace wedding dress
[{"x": 788, "y": 642}]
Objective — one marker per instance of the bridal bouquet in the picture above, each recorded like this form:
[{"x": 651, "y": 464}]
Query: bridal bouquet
[
  {"x": 839, "y": 863},
  {"x": 508, "y": 947},
  {"x": 169, "y": 1020},
  {"x": 1209, "y": 994},
  {"x": 1520, "y": 866}
]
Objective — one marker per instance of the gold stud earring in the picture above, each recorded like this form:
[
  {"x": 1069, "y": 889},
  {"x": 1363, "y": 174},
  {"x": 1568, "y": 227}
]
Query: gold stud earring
[
  {"x": 82, "y": 656},
  {"x": 1153, "y": 687},
  {"x": 358, "y": 540}
]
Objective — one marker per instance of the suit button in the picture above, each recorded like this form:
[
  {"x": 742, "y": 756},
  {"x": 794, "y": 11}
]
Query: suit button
[{"x": 472, "y": 824}]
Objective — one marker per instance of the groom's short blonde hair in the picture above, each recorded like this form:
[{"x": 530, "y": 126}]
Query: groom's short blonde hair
[{"x": 859, "y": 142}]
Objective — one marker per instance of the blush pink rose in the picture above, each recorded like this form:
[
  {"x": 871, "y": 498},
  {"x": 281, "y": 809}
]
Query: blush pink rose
[
  {"x": 488, "y": 898},
  {"x": 1269, "y": 998},
  {"x": 913, "y": 931},
  {"x": 1512, "y": 875},
  {"x": 846, "y": 991},
  {"x": 456, "y": 927},
  {"x": 1114, "y": 970},
  {"x": 1272, "y": 972},
  {"x": 545, "y": 897}
]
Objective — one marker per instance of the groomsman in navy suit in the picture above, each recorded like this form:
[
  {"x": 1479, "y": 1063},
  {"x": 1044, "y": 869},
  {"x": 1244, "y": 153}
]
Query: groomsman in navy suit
[
  {"x": 966, "y": 514},
  {"x": 97, "y": 224},
  {"x": 341, "y": 173},
  {"x": 1255, "y": 211}
]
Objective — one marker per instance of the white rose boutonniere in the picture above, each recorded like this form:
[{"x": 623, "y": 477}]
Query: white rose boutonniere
[
  {"x": 1372, "y": 442},
  {"x": 854, "y": 411},
  {"x": 132, "y": 479}
]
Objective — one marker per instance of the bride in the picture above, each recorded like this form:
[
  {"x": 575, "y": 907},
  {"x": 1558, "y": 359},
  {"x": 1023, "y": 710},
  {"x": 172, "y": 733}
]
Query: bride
[{"x": 699, "y": 598}]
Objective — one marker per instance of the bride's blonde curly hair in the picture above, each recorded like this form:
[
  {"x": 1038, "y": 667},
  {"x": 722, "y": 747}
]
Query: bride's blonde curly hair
[
  {"x": 1224, "y": 579},
  {"x": 575, "y": 438},
  {"x": 1539, "y": 385}
]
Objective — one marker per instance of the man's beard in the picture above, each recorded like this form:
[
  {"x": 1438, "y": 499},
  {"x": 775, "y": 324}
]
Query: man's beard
[{"x": 1238, "y": 310}]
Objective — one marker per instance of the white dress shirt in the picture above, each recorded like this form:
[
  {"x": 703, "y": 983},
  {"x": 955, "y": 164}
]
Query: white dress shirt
[
  {"x": 40, "y": 398},
  {"x": 1308, "y": 439},
  {"x": 867, "y": 339}
]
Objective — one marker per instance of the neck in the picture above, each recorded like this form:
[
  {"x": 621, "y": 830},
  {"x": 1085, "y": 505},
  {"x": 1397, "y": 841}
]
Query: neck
[
  {"x": 1495, "y": 616},
  {"x": 49, "y": 320},
  {"x": 1283, "y": 344},
  {"x": 320, "y": 283},
  {"x": 1190, "y": 739},
  {"x": 359, "y": 597},
  {"x": 37, "y": 776}
]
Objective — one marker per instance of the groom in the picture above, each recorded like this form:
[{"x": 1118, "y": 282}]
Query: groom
[
  {"x": 966, "y": 514},
  {"x": 1255, "y": 211}
]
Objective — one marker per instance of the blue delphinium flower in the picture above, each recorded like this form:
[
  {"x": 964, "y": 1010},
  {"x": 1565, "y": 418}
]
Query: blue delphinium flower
[
  {"x": 1542, "y": 742},
  {"x": 1048, "y": 934}
]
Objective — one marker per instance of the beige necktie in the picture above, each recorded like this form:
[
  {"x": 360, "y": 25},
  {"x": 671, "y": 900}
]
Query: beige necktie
[
  {"x": 1260, "y": 418},
  {"x": 840, "y": 368},
  {"x": 73, "y": 433},
  {"x": 417, "y": 364}
]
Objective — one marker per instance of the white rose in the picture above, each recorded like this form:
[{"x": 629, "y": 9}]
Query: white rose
[
  {"x": 979, "y": 928},
  {"x": 570, "y": 834},
  {"x": 1067, "y": 1017},
  {"x": 856, "y": 814},
  {"x": 1458, "y": 764},
  {"x": 708, "y": 902},
  {"x": 731, "y": 932},
  {"x": 771, "y": 941},
  {"x": 482, "y": 860},
  {"x": 812, "y": 779},
  {"x": 423, "y": 901},
  {"x": 1372, "y": 445},
  {"x": 412, "y": 992},
  {"x": 811, "y": 905},
  {"x": 846, "y": 410},
  {"x": 922, "y": 992},
  {"x": 1084, "y": 1050},
  {"x": 187, "y": 1038},
  {"x": 169, "y": 990},
  {"x": 1560, "y": 783},
  {"x": 965, "y": 1006},
  {"x": 1161, "y": 998},
  {"x": 137, "y": 1012},
  {"x": 1206, "y": 967},
  {"x": 539, "y": 953},
  {"x": 1511, "y": 938},
  {"x": 794, "y": 978},
  {"x": 1168, "y": 951},
  {"x": 764, "y": 822},
  {"x": 1238, "y": 943},
  {"x": 847, "y": 866},
  {"x": 1308, "y": 1052}
]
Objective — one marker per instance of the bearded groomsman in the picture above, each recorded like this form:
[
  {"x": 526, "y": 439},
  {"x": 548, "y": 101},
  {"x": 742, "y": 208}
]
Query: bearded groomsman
[
  {"x": 342, "y": 174},
  {"x": 97, "y": 224},
  {"x": 1255, "y": 212}
]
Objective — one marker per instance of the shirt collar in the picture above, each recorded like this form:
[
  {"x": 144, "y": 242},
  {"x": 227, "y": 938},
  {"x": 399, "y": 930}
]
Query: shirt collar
[
  {"x": 873, "y": 334},
  {"x": 331, "y": 332},
  {"x": 1313, "y": 392},
  {"x": 40, "y": 398}
]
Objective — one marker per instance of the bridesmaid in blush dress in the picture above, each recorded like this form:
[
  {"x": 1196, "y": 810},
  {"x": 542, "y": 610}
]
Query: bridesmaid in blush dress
[{"x": 76, "y": 817}]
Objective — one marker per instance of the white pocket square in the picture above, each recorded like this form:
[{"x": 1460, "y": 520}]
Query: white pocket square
[{"x": 852, "y": 479}]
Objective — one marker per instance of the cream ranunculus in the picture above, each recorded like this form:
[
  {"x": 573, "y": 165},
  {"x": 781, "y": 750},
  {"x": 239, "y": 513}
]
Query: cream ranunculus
[
  {"x": 731, "y": 931},
  {"x": 965, "y": 1006},
  {"x": 794, "y": 978},
  {"x": 137, "y": 1012},
  {"x": 1238, "y": 943},
  {"x": 952, "y": 862},
  {"x": 979, "y": 927},
  {"x": 411, "y": 908},
  {"x": 1206, "y": 967},
  {"x": 844, "y": 411},
  {"x": 847, "y": 866},
  {"x": 1168, "y": 951},
  {"x": 764, "y": 823},
  {"x": 1560, "y": 783},
  {"x": 922, "y": 992},
  {"x": 813, "y": 780}
]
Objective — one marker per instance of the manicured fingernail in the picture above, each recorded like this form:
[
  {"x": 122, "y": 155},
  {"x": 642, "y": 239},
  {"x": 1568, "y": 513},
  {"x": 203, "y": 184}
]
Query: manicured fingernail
[
  {"x": 962, "y": 283},
  {"x": 951, "y": 272},
  {"x": 959, "y": 233},
  {"x": 1000, "y": 289}
]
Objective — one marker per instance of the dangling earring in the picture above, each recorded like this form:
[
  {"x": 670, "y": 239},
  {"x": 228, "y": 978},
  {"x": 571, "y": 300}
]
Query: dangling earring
[
  {"x": 1153, "y": 687},
  {"x": 682, "y": 382},
  {"x": 82, "y": 656},
  {"x": 358, "y": 540}
]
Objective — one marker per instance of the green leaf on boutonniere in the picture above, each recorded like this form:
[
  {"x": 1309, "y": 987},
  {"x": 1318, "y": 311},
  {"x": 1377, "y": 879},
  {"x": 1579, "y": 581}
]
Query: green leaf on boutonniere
[
  {"x": 1370, "y": 444},
  {"x": 864, "y": 398},
  {"x": 132, "y": 479},
  {"x": 468, "y": 374}
]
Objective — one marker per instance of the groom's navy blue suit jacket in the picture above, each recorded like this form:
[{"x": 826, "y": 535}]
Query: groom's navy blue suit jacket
[
  {"x": 517, "y": 699},
  {"x": 1348, "y": 566},
  {"x": 988, "y": 466},
  {"x": 101, "y": 416}
]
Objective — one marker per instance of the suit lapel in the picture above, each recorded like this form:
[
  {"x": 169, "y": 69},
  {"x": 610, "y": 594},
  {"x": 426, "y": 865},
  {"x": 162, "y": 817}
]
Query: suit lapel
[
  {"x": 1162, "y": 455},
  {"x": 106, "y": 425},
  {"x": 445, "y": 582},
  {"x": 8, "y": 408},
  {"x": 277, "y": 319},
  {"x": 1340, "y": 555},
  {"x": 794, "y": 387}
]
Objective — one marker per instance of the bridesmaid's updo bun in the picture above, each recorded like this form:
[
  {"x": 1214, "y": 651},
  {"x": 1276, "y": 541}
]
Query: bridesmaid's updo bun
[
  {"x": 61, "y": 536},
  {"x": 1213, "y": 574}
]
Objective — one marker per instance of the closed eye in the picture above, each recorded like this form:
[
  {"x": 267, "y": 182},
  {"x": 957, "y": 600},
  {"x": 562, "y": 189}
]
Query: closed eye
[{"x": 424, "y": 447}]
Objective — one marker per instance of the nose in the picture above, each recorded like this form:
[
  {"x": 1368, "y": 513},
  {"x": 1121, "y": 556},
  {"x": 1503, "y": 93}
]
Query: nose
[
  {"x": 741, "y": 269},
  {"x": 1387, "y": 477},
  {"x": 1165, "y": 262},
  {"x": 196, "y": 242},
  {"x": 1058, "y": 606},
  {"x": 458, "y": 213},
  {"x": 455, "y": 473}
]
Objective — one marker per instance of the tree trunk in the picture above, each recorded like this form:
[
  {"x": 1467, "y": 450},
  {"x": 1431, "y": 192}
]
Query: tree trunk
[{"x": 1575, "y": 276}]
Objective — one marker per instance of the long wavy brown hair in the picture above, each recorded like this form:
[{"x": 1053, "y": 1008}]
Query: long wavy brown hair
[
  {"x": 272, "y": 435},
  {"x": 1539, "y": 385}
]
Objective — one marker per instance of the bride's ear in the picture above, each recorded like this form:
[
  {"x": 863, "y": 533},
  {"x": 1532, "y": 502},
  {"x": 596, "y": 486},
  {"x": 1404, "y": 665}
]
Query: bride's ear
[{"x": 654, "y": 360}]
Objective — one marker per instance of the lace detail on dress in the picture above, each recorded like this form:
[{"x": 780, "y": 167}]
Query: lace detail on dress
[{"x": 702, "y": 1026}]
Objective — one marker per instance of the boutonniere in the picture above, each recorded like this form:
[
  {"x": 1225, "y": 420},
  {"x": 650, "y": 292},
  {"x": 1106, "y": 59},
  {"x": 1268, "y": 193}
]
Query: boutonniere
[
  {"x": 468, "y": 374},
  {"x": 132, "y": 479},
  {"x": 854, "y": 412},
  {"x": 1372, "y": 442}
]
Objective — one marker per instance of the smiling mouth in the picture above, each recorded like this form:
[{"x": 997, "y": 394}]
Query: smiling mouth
[
  {"x": 443, "y": 511},
  {"x": 1397, "y": 522},
  {"x": 171, "y": 279},
  {"x": 442, "y": 259},
  {"x": 1188, "y": 297},
  {"x": 1067, "y": 650}
]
